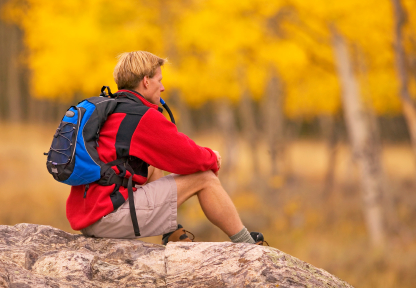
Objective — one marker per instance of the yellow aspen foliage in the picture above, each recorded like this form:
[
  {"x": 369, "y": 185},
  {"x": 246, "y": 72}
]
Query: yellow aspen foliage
[
  {"x": 72, "y": 45},
  {"x": 409, "y": 35},
  {"x": 367, "y": 25},
  {"x": 217, "y": 49}
]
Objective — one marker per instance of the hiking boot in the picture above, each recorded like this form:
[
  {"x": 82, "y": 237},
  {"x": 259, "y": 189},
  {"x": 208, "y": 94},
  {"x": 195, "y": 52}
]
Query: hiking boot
[
  {"x": 179, "y": 235},
  {"x": 258, "y": 238}
]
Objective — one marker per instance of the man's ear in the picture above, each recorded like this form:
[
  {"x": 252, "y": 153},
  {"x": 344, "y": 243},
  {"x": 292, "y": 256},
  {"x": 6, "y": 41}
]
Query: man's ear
[{"x": 146, "y": 81}]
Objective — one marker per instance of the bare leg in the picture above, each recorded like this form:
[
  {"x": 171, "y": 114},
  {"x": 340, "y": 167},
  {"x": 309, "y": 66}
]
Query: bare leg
[
  {"x": 153, "y": 174},
  {"x": 214, "y": 200}
]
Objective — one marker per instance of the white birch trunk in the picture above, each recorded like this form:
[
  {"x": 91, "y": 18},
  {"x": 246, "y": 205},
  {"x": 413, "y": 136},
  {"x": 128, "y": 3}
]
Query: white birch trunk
[
  {"x": 368, "y": 158},
  {"x": 250, "y": 132},
  {"x": 225, "y": 119},
  {"x": 273, "y": 124},
  {"x": 3, "y": 68},
  {"x": 408, "y": 104},
  {"x": 329, "y": 131}
]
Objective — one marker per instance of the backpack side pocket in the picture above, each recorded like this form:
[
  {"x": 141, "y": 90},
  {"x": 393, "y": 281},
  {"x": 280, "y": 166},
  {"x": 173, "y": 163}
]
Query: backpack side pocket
[{"x": 61, "y": 152}]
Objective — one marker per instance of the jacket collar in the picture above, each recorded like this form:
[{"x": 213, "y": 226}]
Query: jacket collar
[{"x": 141, "y": 98}]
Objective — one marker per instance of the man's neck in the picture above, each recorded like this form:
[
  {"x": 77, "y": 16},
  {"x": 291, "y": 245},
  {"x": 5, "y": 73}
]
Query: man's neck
[{"x": 140, "y": 90}]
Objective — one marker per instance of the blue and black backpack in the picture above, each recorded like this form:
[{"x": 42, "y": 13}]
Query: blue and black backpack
[{"x": 73, "y": 158}]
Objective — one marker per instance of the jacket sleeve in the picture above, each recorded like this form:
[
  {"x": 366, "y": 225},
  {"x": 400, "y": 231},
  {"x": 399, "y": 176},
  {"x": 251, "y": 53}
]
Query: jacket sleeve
[{"x": 158, "y": 142}]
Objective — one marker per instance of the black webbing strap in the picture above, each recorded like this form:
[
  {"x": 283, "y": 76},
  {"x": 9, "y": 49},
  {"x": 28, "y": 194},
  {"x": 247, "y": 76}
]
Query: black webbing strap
[
  {"x": 131, "y": 201},
  {"x": 121, "y": 181},
  {"x": 132, "y": 207},
  {"x": 116, "y": 179},
  {"x": 108, "y": 165}
]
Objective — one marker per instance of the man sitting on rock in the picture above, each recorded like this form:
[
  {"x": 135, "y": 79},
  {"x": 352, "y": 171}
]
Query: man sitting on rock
[{"x": 138, "y": 130}]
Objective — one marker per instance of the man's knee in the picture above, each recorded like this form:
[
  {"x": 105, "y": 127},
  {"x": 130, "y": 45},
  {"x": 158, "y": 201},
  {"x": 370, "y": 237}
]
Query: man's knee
[
  {"x": 196, "y": 181},
  {"x": 189, "y": 185},
  {"x": 209, "y": 178},
  {"x": 206, "y": 179}
]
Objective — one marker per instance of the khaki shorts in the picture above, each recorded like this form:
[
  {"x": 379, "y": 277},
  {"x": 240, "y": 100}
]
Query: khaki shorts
[{"x": 156, "y": 210}]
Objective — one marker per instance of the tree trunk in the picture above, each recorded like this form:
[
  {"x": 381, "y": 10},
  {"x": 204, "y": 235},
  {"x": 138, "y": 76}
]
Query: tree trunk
[
  {"x": 273, "y": 119},
  {"x": 330, "y": 134},
  {"x": 3, "y": 68},
  {"x": 273, "y": 131},
  {"x": 13, "y": 89},
  {"x": 226, "y": 124},
  {"x": 367, "y": 157},
  {"x": 250, "y": 132},
  {"x": 408, "y": 104},
  {"x": 185, "y": 120},
  {"x": 10, "y": 72},
  {"x": 33, "y": 116}
]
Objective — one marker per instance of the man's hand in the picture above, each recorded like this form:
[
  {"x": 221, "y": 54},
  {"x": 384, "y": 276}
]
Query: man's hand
[{"x": 218, "y": 160}]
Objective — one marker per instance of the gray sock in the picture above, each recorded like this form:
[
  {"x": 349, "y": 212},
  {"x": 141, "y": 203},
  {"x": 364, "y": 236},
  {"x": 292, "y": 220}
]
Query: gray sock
[{"x": 242, "y": 237}]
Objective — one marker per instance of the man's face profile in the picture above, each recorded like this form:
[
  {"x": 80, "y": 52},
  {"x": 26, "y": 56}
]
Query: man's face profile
[{"x": 153, "y": 87}]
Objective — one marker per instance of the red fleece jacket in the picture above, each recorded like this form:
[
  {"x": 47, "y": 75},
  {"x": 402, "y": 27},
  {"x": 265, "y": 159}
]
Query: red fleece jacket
[{"x": 156, "y": 141}]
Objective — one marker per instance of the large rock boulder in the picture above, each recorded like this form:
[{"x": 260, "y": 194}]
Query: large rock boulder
[{"x": 43, "y": 256}]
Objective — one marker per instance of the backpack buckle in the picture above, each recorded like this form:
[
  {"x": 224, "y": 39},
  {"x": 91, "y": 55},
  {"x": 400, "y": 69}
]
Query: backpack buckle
[
  {"x": 108, "y": 90},
  {"x": 125, "y": 182}
]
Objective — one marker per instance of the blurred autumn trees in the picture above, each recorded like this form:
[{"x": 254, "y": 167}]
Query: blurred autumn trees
[{"x": 250, "y": 65}]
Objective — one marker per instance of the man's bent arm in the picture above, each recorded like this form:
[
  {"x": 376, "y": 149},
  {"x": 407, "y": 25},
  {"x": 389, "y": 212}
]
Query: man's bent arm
[{"x": 158, "y": 142}]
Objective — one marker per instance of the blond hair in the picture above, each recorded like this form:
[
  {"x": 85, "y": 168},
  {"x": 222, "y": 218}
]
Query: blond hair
[{"x": 133, "y": 66}]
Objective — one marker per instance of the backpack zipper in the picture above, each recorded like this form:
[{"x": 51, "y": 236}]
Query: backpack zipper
[{"x": 76, "y": 130}]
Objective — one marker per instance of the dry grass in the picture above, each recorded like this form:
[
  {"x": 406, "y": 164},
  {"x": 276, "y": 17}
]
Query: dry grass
[{"x": 326, "y": 230}]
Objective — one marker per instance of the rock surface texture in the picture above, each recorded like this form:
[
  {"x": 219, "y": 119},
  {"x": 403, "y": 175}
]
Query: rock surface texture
[{"x": 42, "y": 256}]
